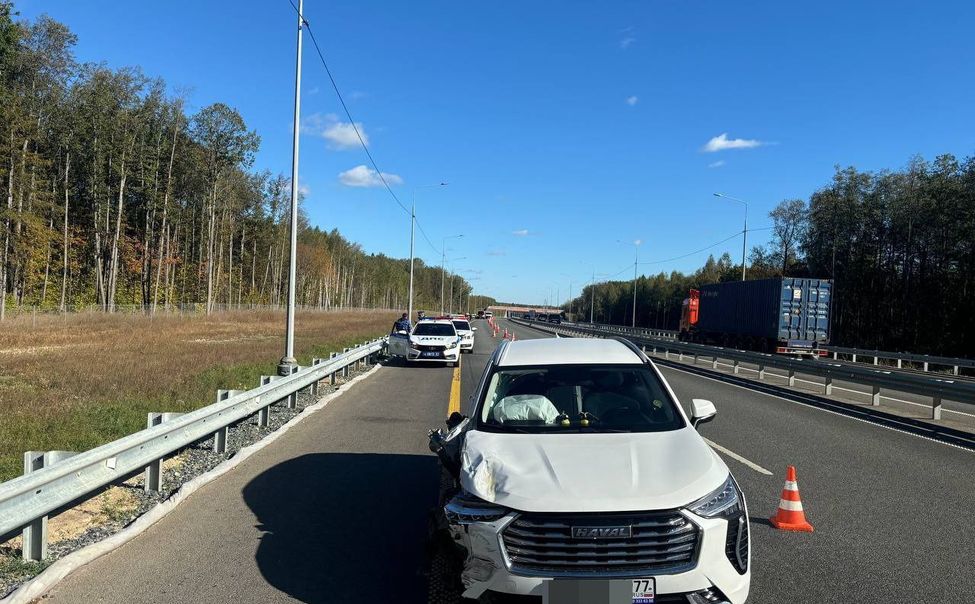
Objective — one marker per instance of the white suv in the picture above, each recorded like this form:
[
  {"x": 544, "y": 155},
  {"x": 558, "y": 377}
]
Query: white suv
[{"x": 578, "y": 464}]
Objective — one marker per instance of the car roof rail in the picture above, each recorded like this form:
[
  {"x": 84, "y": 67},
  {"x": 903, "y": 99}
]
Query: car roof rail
[
  {"x": 633, "y": 347},
  {"x": 499, "y": 352}
]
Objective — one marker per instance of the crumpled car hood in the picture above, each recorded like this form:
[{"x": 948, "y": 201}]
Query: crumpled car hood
[{"x": 590, "y": 472}]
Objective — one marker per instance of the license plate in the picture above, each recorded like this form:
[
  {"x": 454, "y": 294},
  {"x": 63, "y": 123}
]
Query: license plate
[
  {"x": 643, "y": 591},
  {"x": 429, "y": 354}
]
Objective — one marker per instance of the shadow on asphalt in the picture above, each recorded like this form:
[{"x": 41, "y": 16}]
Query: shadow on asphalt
[{"x": 345, "y": 527}]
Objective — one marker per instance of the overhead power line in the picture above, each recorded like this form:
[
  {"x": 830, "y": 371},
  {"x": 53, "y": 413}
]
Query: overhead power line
[
  {"x": 345, "y": 108},
  {"x": 703, "y": 249}
]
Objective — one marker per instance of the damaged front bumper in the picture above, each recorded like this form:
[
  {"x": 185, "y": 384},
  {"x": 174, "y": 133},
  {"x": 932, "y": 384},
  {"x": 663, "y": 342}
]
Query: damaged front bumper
[{"x": 486, "y": 565}]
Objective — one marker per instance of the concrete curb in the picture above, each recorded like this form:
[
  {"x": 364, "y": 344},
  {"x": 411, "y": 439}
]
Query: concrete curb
[{"x": 52, "y": 575}]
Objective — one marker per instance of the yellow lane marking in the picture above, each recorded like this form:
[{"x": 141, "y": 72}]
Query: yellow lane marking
[{"x": 455, "y": 389}]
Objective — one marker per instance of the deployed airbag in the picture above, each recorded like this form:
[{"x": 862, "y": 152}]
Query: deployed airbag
[{"x": 525, "y": 407}]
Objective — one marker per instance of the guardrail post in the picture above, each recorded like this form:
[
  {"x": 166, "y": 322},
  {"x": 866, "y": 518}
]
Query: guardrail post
[
  {"x": 293, "y": 397},
  {"x": 854, "y": 357},
  {"x": 900, "y": 363},
  {"x": 925, "y": 365},
  {"x": 761, "y": 371},
  {"x": 331, "y": 377},
  {"x": 680, "y": 355},
  {"x": 264, "y": 413},
  {"x": 34, "y": 545},
  {"x": 154, "y": 469},
  {"x": 936, "y": 407},
  {"x": 316, "y": 383},
  {"x": 736, "y": 366},
  {"x": 876, "y": 360},
  {"x": 345, "y": 370},
  {"x": 220, "y": 436},
  {"x": 834, "y": 355},
  {"x": 714, "y": 362},
  {"x": 828, "y": 386},
  {"x": 695, "y": 358},
  {"x": 956, "y": 370},
  {"x": 792, "y": 377},
  {"x": 875, "y": 396}
]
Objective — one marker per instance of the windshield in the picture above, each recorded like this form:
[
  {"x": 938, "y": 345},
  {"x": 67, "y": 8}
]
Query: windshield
[
  {"x": 434, "y": 329},
  {"x": 578, "y": 398},
  {"x": 462, "y": 325}
]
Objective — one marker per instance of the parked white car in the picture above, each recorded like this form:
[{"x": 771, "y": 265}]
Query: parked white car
[
  {"x": 577, "y": 463},
  {"x": 466, "y": 333},
  {"x": 430, "y": 341}
]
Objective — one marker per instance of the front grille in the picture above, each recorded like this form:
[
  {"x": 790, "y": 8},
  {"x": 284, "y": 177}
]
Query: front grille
[
  {"x": 542, "y": 544},
  {"x": 428, "y": 348}
]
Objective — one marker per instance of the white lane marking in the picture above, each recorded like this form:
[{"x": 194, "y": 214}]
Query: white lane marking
[
  {"x": 850, "y": 390},
  {"x": 737, "y": 457},
  {"x": 818, "y": 408}
]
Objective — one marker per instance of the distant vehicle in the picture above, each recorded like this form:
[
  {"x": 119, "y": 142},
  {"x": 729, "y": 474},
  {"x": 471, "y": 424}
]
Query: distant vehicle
[
  {"x": 480, "y": 314},
  {"x": 432, "y": 340},
  {"x": 785, "y": 316},
  {"x": 578, "y": 462},
  {"x": 541, "y": 317},
  {"x": 488, "y": 314},
  {"x": 555, "y": 318}
]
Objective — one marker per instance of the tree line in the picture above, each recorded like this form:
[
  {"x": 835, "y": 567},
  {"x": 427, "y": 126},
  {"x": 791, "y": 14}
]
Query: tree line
[
  {"x": 114, "y": 195},
  {"x": 899, "y": 246}
]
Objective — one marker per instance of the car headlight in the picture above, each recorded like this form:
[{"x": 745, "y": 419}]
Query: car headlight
[
  {"x": 723, "y": 502},
  {"x": 466, "y": 508}
]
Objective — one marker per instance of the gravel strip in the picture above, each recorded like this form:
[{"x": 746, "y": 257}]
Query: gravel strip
[{"x": 194, "y": 461}]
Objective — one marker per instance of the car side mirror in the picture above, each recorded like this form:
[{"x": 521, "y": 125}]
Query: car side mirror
[
  {"x": 702, "y": 411},
  {"x": 455, "y": 419},
  {"x": 473, "y": 329},
  {"x": 402, "y": 332}
]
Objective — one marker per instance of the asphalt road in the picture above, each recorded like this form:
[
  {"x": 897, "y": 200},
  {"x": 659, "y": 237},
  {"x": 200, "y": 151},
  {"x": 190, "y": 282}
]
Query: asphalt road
[{"x": 336, "y": 510}]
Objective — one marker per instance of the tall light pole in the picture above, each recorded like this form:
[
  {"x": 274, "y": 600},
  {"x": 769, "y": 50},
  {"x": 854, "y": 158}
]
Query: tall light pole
[
  {"x": 744, "y": 231},
  {"x": 592, "y": 303},
  {"x": 288, "y": 361},
  {"x": 443, "y": 258},
  {"x": 636, "y": 261},
  {"x": 412, "y": 239},
  {"x": 451, "y": 309},
  {"x": 570, "y": 290}
]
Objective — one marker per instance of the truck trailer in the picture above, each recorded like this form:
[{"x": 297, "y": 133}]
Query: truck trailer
[{"x": 785, "y": 316}]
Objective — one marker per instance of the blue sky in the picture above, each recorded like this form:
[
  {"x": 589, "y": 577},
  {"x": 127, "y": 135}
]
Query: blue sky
[{"x": 566, "y": 127}]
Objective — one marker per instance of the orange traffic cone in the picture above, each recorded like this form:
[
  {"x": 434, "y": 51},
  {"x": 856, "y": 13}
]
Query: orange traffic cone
[
  {"x": 505, "y": 333},
  {"x": 790, "y": 516}
]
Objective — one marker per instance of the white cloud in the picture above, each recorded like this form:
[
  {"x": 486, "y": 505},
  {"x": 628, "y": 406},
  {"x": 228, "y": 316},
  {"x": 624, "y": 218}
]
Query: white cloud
[
  {"x": 632, "y": 100},
  {"x": 339, "y": 134},
  {"x": 364, "y": 176},
  {"x": 722, "y": 142},
  {"x": 520, "y": 233},
  {"x": 627, "y": 42},
  {"x": 716, "y": 164},
  {"x": 637, "y": 241},
  {"x": 342, "y": 135}
]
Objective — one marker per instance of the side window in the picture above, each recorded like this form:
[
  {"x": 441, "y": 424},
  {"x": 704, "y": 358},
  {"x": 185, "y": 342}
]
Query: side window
[{"x": 476, "y": 395}]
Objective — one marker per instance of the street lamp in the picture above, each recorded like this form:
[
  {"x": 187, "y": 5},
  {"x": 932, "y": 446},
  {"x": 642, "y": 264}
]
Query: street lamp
[
  {"x": 288, "y": 362},
  {"x": 744, "y": 231},
  {"x": 570, "y": 290},
  {"x": 636, "y": 261},
  {"x": 412, "y": 238},
  {"x": 451, "y": 310},
  {"x": 443, "y": 257}
]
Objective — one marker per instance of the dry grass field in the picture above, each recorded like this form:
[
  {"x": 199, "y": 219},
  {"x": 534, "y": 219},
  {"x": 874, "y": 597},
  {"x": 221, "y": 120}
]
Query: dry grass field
[{"x": 76, "y": 381}]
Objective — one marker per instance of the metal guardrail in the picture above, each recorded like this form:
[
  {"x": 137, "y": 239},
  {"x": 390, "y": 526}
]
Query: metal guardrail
[
  {"x": 56, "y": 479},
  {"x": 924, "y": 360},
  {"x": 938, "y": 389},
  {"x": 649, "y": 332}
]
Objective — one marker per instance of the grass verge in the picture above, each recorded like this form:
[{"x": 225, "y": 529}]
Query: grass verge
[{"x": 74, "y": 382}]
